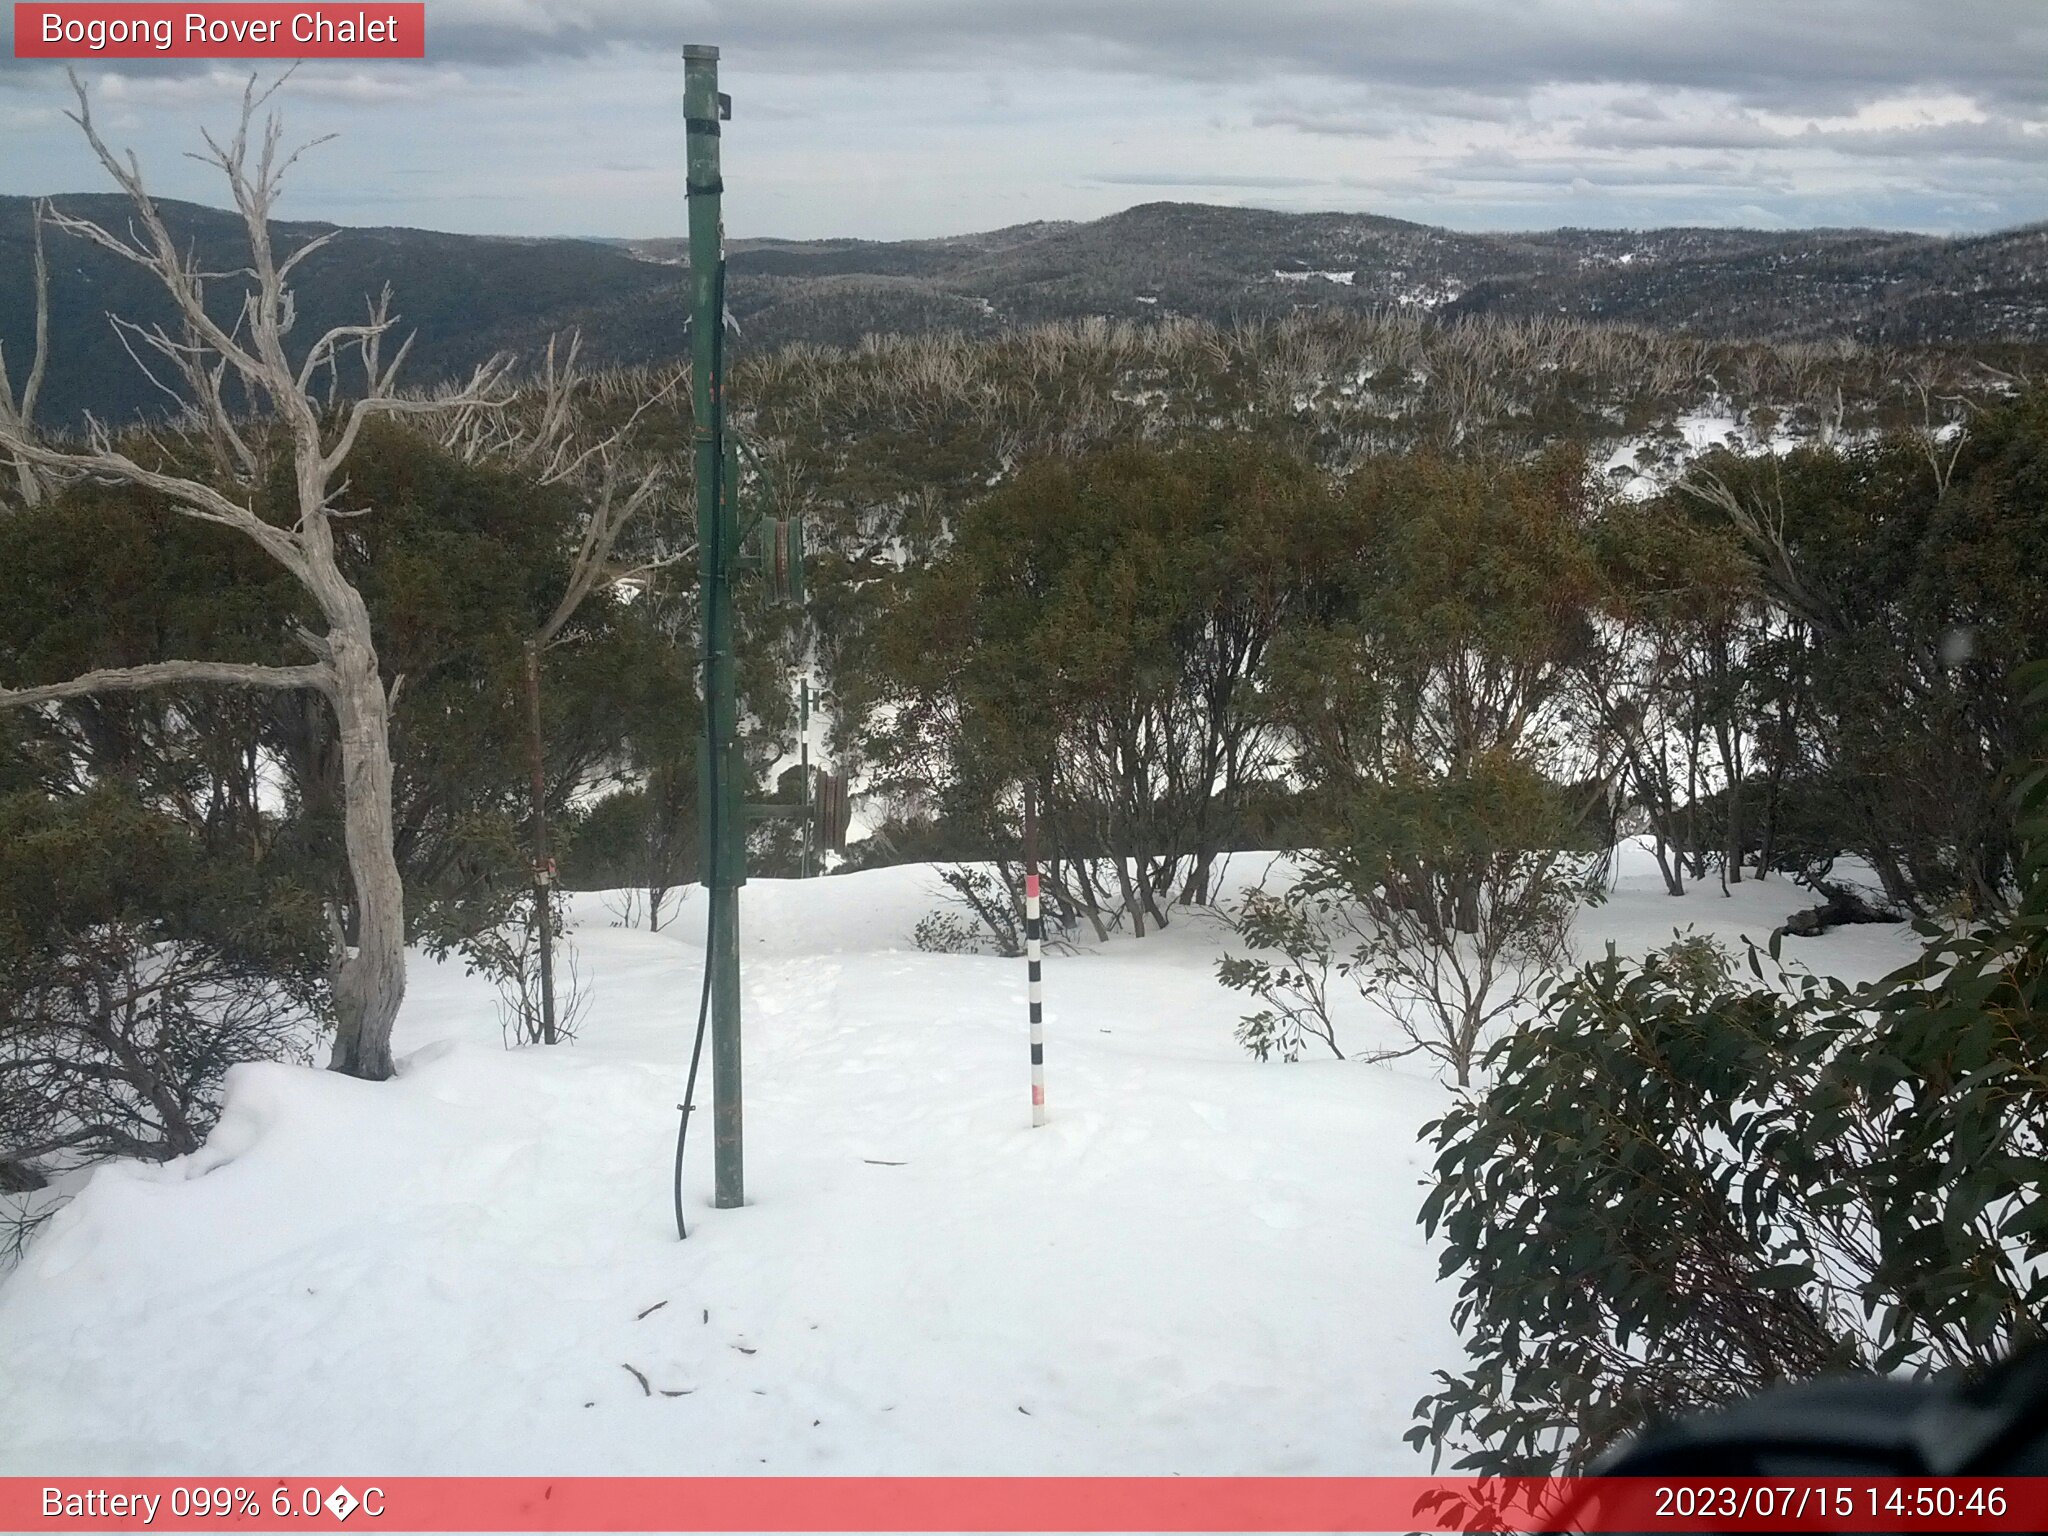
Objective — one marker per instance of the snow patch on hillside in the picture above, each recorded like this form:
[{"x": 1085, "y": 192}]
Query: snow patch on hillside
[{"x": 1646, "y": 464}]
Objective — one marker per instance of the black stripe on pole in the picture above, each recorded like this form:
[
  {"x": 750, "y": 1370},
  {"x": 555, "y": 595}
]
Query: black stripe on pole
[
  {"x": 1034, "y": 928},
  {"x": 1038, "y": 1055},
  {"x": 1036, "y": 970},
  {"x": 1037, "y": 1016}
]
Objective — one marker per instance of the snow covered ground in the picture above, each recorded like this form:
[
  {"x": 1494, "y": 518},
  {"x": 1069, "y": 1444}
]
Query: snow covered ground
[{"x": 1201, "y": 1265}]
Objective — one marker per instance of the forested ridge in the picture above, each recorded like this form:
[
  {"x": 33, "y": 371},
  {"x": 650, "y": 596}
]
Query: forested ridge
[{"x": 469, "y": 296}]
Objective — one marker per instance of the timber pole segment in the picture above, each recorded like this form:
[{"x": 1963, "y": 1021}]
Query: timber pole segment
[
  {"x": 720, "y": 783},
  {"x": 543, "y": 865},
  {"x": 1034, "y": 956},
  {"x": 804, "y": 773}
]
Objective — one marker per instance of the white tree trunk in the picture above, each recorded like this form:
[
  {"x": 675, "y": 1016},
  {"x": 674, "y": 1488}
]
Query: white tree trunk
[{"x": 369, "y": 980}]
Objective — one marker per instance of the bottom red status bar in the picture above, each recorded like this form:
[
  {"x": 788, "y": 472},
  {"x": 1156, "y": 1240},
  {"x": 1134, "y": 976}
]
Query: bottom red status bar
[{"x": 1022, "y": 1504}]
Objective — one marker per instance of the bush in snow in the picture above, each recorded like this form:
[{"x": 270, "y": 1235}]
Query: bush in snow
[
  {"x": 990, "y": 896},
  {"x": 946, "y": 933},
  {"x": 510, "y": 955},
  {"x": 1446, "y": 769},
  {"x": 135, "y": 968},
  {"x": 497, "y": 934},
  {"x": 1296, "y": 989},
  {"x": 1443, "y": 905}
]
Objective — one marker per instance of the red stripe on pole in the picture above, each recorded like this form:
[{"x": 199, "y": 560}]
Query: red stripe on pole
[
  {"x": 1031, "y": 887},
  {"x": 1021, "y": 1504},
  {"x": 381, "y": 29}
]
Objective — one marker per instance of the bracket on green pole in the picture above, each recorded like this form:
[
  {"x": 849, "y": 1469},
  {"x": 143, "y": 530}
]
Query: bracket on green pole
[
  {"x": 772, "y": 546},
  {"x": 777, "y": 552}
]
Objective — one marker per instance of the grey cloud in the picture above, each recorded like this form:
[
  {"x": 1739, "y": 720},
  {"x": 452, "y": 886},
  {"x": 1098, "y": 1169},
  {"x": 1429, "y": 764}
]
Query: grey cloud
[
  {"x": 1662, "y": 133},
  {"x": 1394, "y": 109},
  {"x": 1504, "y": 170},
  {"x": 1992, "y": 139},
  {"x": 1765, "y": 52},
  {"x": 1809, "y": 55},
  {"x": 1369, "y": 125},
  {"x": 1637, "y": 108},
  {"x": 1199, "y": 179}
]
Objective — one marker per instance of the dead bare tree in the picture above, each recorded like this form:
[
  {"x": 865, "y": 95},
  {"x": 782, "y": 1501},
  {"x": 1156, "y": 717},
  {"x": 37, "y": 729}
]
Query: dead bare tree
[
  {"x": 1942, "y": 429},
  {"x": 250, "y": 355}
]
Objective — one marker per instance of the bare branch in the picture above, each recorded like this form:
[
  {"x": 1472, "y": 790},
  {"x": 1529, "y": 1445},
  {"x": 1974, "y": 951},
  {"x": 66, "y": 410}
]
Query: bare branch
[
  {"x": 35, "y": 374},
  {"x": 171, "y": 674},
  {"x": 22, "y": 414},
  {"x": 477, "y": 392},
  {"x": 125, "y": 331},
  {"x": 600, "y": 533},
  {"x": 322, "y": 353},
  {"x": 160, "y": 256},
  {"x": 316, "y": 643},
  {"x": 194, "y": 498},
  {"x": 318, "y": 242}
]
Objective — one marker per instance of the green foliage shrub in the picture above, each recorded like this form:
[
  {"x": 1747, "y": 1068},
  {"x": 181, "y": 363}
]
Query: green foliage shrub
[{"x": 1674, "y": 1190}]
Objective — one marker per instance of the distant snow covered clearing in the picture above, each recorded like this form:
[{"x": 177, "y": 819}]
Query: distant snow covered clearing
[
  {"x": 1429, "y": 295},
  {"x": 1647, "y": 464}
]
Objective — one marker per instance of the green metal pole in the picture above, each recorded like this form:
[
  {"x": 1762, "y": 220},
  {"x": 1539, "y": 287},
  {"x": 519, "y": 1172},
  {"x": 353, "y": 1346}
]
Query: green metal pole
[{"x": 722, "y": 823}]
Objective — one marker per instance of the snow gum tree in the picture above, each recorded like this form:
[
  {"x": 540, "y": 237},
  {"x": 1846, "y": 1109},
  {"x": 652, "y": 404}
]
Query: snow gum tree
[
  {"x": 263, "y": 409},
  {"x": 1677, "y": 597},
  {"x": 1444, "y": 777},
  {"x": 1912, "y": 586},
  {"x": 1100, "y": 625}
]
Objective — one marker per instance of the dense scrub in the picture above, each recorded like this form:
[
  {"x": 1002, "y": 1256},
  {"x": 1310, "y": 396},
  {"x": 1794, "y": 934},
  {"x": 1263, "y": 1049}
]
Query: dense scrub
[{"x": 1676, "y": 1190}]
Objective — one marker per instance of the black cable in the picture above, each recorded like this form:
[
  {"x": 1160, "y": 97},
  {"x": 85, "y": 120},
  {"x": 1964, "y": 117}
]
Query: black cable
[
  {"x": 696, "y": 1052},
  {"x": 711, "y": 775}
]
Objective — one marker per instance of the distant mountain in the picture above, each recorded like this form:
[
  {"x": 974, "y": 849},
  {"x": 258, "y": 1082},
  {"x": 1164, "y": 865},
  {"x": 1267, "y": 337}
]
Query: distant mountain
[
  {"x": 465, "y": 296},
  {"x": 1221, "y": 263},
  {"x": 468, "y": 296}
]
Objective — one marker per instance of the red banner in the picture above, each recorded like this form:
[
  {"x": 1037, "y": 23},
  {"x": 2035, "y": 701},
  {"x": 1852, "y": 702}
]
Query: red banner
[
  {"x": 1022, "y": 1504},
  {"x": 216, "y": 31}
]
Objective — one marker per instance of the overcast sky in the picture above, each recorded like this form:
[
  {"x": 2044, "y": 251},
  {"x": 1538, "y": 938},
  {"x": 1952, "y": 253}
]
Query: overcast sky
[{"x": 895, "y": 118}]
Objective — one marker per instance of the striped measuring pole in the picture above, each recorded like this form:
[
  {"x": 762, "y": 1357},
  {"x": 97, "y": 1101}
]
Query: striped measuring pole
[{"x": 1034, "y": 956}]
